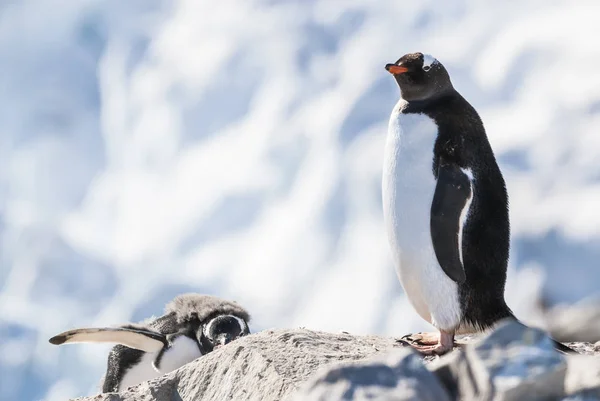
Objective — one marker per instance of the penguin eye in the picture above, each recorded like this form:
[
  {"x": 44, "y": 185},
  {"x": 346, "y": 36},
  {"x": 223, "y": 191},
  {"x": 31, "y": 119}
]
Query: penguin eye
[{"x": 426, "y": 68}]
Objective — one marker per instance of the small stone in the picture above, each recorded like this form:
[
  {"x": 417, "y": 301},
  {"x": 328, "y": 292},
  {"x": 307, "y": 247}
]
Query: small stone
[{"x": 597, "y": 346}]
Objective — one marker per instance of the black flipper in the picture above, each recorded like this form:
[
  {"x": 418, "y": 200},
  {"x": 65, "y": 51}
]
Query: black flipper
[{"x": 452, "y": 192}]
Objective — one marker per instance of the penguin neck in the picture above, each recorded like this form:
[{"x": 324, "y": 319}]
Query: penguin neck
[{"x": 425, "y": 105}]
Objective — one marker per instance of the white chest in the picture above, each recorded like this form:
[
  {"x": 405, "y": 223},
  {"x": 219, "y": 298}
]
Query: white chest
[
  {"x": 408, "y": 186},
  {"x": 182, "y": 351},
  {"x": 141, "y": 372},
  {"x": 408, "y": 181}
]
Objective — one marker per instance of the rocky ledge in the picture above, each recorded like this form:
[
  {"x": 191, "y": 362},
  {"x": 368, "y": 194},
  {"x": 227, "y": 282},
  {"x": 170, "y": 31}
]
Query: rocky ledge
[{"x": 511, "y": 363}]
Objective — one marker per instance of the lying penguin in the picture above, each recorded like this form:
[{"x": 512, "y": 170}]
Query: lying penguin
[{"x": 193, "y": 325}]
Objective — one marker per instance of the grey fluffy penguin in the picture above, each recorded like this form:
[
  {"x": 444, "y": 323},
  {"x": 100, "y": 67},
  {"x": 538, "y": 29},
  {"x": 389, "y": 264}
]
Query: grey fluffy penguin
[{"x": 192, "y": 325}]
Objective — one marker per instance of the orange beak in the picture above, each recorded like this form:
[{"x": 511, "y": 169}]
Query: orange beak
[{"x": 395, "y": 69}]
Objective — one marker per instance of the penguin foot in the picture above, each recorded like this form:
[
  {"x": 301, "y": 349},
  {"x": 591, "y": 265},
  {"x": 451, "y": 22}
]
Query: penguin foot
[
  {"x": 438, "y": 349},
  {"x": 444, "y": 342},
  {"x": 422, "y": 338}
]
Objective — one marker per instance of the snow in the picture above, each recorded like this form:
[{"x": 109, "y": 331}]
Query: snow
[{"x": 151, "y": 148}]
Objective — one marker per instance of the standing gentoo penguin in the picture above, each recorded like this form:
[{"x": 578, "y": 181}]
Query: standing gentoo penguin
[
  {"x": 445, "y": 205},
  {"x": 192, "y": 326}
]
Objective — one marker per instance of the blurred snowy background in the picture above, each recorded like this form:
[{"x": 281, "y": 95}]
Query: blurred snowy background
[{"x": 151, "y": 148}]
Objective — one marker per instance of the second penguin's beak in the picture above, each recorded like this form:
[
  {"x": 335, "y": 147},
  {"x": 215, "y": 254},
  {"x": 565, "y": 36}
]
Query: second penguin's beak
[
  {"x": 223, "y": 340},
  {"x": 395, "y": 69}
]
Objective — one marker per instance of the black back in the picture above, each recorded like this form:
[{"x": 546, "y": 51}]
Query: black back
[
  {"x": 120, "y": 359},
  {"x": 486, "y": 235}
]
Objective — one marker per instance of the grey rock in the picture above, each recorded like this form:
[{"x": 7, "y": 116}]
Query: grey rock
[
  {"x": 577, "y": 322},
  {"x": 397, "y": 376},
  {"x": 583, "y": 348},
  {"x": 269, "y": 365},
  {"x": 449, "y": 369},
  {"x": 514, "y": 362},
  {"x": 586, "y": 395},
  {"x": 583, "y": 375}
]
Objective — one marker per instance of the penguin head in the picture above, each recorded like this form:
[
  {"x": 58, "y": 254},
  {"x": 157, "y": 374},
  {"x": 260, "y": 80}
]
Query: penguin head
[
  {"x": 420, "y": 77},
  {"x": 223, "y": 329}
]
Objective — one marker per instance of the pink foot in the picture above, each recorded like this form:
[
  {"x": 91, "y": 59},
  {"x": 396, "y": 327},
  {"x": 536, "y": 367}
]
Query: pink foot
[
  {"x": 432, "y": 349},
  {"x": 443, "y": 343}
]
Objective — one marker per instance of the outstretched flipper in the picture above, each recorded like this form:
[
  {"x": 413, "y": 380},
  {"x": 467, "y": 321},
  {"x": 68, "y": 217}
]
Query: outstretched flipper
[
  {"x": 133, "y": 337},
  {"x": 449, "y": 208}
]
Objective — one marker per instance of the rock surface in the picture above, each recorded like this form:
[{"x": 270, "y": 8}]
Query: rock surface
[
  {"x": 397, "y": 375},
  {"x": 578, "y": 322},
  {"x": 269, "y": 365},
  {"x": 511, "y": 363}
]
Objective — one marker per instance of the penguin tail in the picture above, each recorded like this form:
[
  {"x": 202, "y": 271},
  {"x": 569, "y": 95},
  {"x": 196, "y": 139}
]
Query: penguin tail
[
  {"x": 563, "y": 348},
  {"x": 560, "y": 347}
]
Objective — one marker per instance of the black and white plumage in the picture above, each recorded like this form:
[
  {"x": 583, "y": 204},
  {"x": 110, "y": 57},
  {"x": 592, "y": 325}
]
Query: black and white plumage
[
  {"x": 193, "y": 325},
  {"x": 445, "y": 205}
]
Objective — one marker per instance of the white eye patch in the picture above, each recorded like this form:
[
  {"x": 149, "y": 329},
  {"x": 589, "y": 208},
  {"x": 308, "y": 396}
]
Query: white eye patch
[
  {"x": 207, "y": 329},
  {"x": 428, "y": 60}
]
